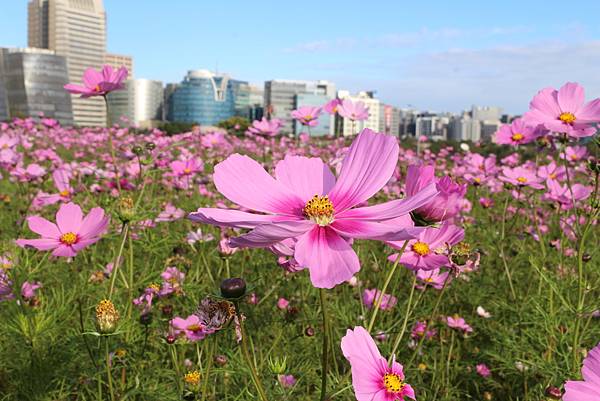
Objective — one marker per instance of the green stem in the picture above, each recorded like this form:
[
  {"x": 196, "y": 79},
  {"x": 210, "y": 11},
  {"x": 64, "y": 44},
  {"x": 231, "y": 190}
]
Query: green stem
[
  {"x": 108, "y": 371},
  {"x": 255, "y": 378},
  {"x": 117, "y": 262},
  {"x": 407, "y": 313},
  {"x": 502, "y": 255},
  {"x": 385, "y": 286},
  {"x": 325, "y": 352}
]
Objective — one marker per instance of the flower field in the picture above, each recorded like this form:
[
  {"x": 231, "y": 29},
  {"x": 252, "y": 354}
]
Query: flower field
[{"x": 255, "y": 266}]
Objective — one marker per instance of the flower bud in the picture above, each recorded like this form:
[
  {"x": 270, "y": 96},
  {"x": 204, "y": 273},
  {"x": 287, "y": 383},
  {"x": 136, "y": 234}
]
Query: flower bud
[
  {"x": 167, "y": 311},
  {"x": 278, "y": 366},
  {"x": 220, "y": 360},
  {"x": 586, "y": 257},
  {"x": 170, "y": 339},
  {"x": 125, "y": 209},
  {"x": 233, "y": 288},
  {"x": 137, "y": 150},
  {"x": 150, "y": 146},
  {"x": 554, "y": 392},
  {"x": 309, "y": 331},
  {"x": 146, "y": 318},
  {"x": 107, "y": 317}
]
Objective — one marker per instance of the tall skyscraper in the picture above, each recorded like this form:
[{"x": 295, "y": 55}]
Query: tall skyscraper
[
  {"x": 281, "y": 98},
  {"x": 204, "y": 97},
  {"x": 141, "y": 102},
  {"x": 31, "y": 82},
  {"x": 75, "y": 29}
]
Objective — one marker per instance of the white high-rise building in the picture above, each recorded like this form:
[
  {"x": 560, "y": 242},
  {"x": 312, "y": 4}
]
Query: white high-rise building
[
  {"x": 348, "y": 127},
  {"x": 140, "y": 102},
  {"x": 75, "y": 29}
]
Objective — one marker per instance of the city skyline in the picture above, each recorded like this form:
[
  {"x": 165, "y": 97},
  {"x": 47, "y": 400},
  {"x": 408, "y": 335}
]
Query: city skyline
[{"x": 432, "y": 56}]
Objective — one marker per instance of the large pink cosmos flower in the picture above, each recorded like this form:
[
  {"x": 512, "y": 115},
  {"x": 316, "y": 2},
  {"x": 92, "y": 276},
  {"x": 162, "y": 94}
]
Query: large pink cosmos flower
[
  {"x": 445, "y": 205},
  {"x": 589, "y": 388},
  {"x": 265, "y": 127},
  {"x": 99, "y": 83},
  {"x": 430, "y": 250},
  {"x": 353, "y": 111},
  {"x": 564, "y": 111},
  {"x": 373, "y": 378},
  {"x": 71, "y": 233},
  {"x": 521, "y": 177},
  {"x": 307, "y": 115},
  {"x": 517, "y": 133},
  {"x": 306, "y": 203},
  {"x": 332, "y": 106}
]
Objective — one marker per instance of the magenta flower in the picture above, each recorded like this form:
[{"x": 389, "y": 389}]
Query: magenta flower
[
  {"x": 332, "y": 106},
  {"x": 373, "y": 378},
  {"x": 371, "y": 296},
  {"x": 575, "y": 153},
  {"x": 420, "y": 330},
  {"x": 265, "y": 127},
  {"x": 307, "y": 115},
  {"x": 564, "y": 111},
  {"x": 286, "y": 381},
  {"x": 457, "y": 322},
  {"x": 190, "y": 327},
  {"x": 172, "y": 282},
  {"x": 445, "y": 205},
  {"x": 283, "y": 303},
  {"x": 71, "y": 233},
  {"x": 353, "y": 111},
  {"x": 517, "y": 133},
  {"x": 429, "y": 251},
  {"x": 434, "y": 278},
  {"x": 183, "y": 168},
  {"x": 483, "y": 370},
  {"x": 28, "y": 289},
  {"x": 587, "y": 389},
  {"x": 521, "y": 177},
  {"x": 99, "y": 83},
  {"x": 552, "y": 171},
  {"x": 305, "y": 202}
]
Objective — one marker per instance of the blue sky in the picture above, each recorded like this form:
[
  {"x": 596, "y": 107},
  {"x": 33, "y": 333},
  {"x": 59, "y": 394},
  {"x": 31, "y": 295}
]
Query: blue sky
[{"x": 437, "y": 55}]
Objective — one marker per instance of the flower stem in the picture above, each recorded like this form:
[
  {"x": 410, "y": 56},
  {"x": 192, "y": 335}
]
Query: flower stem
[
  {"x": 108, "y": 371},
  {"x": 407, "y": 314},
  {"x": 117, "y": 261},
  {"x": 385, "y": 286},
  {"x": 325, "y": 352},
  {"x": 255, "y": 378}
]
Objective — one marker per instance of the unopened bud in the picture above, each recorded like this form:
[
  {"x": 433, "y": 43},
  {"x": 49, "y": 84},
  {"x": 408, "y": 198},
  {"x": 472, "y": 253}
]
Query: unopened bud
[
  {"x": 233, "y": 288},
  {"x": 107, "y": 317},
  {"x": 554, "y": 392},
  {"x": 126, "y": 209}
]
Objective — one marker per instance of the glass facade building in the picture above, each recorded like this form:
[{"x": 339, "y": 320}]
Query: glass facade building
[
  {"x": 204, "y": 97},
  {"x": 140, "y": 102},
  {"x": 32, "y": 82}
]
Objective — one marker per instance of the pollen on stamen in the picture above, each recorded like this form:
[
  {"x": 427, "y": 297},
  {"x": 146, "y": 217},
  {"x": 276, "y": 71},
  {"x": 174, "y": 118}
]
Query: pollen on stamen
[
  {"x": 421, "y": 248},
  {"x": 68, "y": 238},
  {"x": 517, "y": 137},
  {"x": 567, "y": 117},
  {"x": 393, "y": 383},
  {"x": 319, "y": 209}
]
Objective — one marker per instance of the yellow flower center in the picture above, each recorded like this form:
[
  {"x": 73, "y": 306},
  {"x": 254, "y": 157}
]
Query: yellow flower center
[
  {"x": 194, "y": 327},
  {"x": 65, "y": 193},
  {"x": 187, "y": 170},
  {"x": 522, "y": 180},
  {"x": 154, "y": 286},
  {"x": 517, "y": 137},
  {"x": 553, "y": 176},
  {"x": 308, "y": 117},
  {"x": 192, "y": 378},
  {"x": 319, "y": 209},
  {"x": 568, "y": 118},
  {"x": 477, "y": 180},
  {"x": 420, "y": 248},
  {"x": 68, "y": 238},
  {"x": 429, "y": 280},
  {"x": 574, "y": 157},
  {"x": 97, "y": 88},
  {"x": 392, "y": 383}
]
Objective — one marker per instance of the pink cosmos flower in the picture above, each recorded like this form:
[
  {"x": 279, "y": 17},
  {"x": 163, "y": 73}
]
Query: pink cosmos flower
[
  {"x": 587, "y": 389},
  {"x": 28, "y": 289},
  {"x": 457, "y": 322},
  {"x": 304, "y": 202},
  {"x": 552, "y": 171},
  {"x": 307, "y": 115},
  {"x": 171, "y": 213},
  {"x": 445, "y": 205},
  {"x": 565, "y": 196},
  {"x": 6, "y": 291},
  {"x": 353, "y": 111},
  {"x": 420, "y": 330},
  {"x": 99, "y": 83},
  {"x": 286, "y": 381},
  {"x": 283, "y": 303},
  {"x": 432, "y": 278},
  {"x": 483, "y": 370},
  {"x": 145, "y": 300},
  {"x": 373, "y": 378},
  {"x": 71, "y": 233},
  {"x": 371, "y": 296},
  {"x": 517, "y": 133},
  {"x": 265, "y": 127},
  {"x": 332, "y": 106},
  {"x": 189, "y": 327},
  {"x": 182, "y": 168},
  {"x": 564, "y": 111},
  {"x": 575, "y": 153},
  {"x": 486, "y": 203},
  {"x": 172, "y": 282},
  {"x": 521, "y": 177},
  {"x": 429, "y": 250}
]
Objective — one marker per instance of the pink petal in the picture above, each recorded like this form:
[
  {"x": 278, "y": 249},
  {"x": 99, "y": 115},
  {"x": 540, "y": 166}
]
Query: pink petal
[
  {"x": 42, "y": 244},
  {"x": 231, "y": 218},
  {"x": 305, "y": 176},
  {"x": 94, "y": 224},
  {"x": 581, "y": 391},
  {"x": 364, "y": 357},
  {"x": 65, "y": 251},
  {"x": 328, "y": 257},
  {"x": 547, "y": 103},
  {"x": 590, "y": 112},
  {"x": 75, "y": 89},
  {"x": 82, "y": 243},
  {"x": 367, "y": 167},
  {"x": 269, "y": 234},
  {"x": 91, "y": 78},
  {"x": 570, "y": 97},
  {"x": 362, "y": 229},
  {"x": 69, "y": 218},
  {"x": 43, "y": 227},
  {"x": 591, "y": 366},
  {"x": 245, "y": 182},
  {"x": 391, "y": 209}
]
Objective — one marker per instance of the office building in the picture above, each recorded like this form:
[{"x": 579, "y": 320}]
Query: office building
[
  {"x": 348, "y": 127},
  {"x": 118, "y": 61},
  {"x": 140, "y": 103},
  {"x": 204, "y": 97},
  {"x": 75, "y": 29},
  {"x": 281, "y": 98},
  {"x": 31, "y": 83},
  {"x": 249, "y": 101},
  {"x": 389, "y": 119}
]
